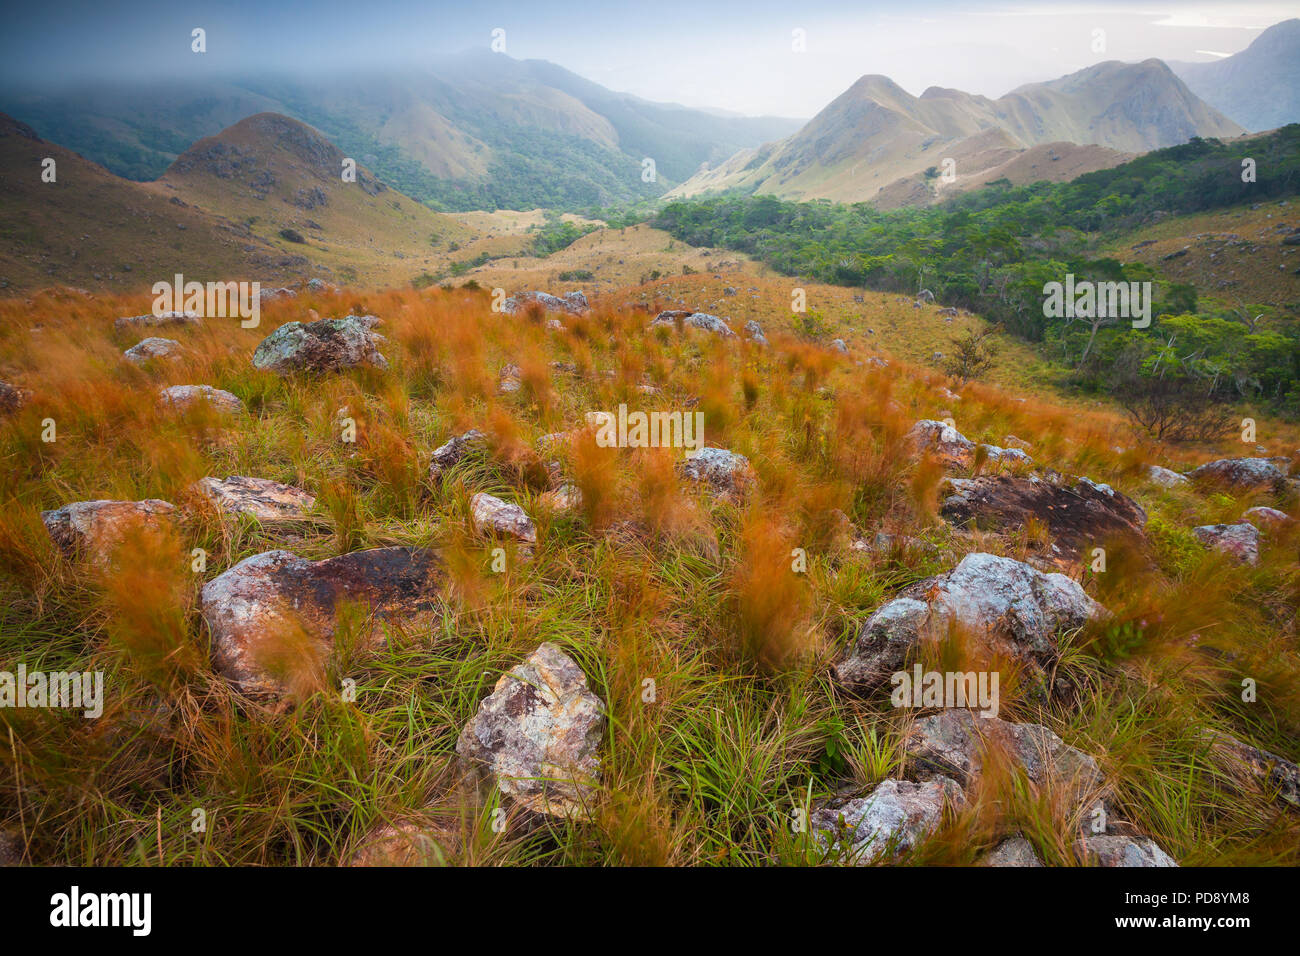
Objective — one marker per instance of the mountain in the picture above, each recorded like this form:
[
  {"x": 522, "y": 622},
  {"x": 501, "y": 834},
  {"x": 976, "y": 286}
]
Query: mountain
[
  {"x": 473, "y": 131},
  {"x": 1258, "y": 87},
  {"x": 876, "y": 133},
  {"x": 263, "y": 200}
]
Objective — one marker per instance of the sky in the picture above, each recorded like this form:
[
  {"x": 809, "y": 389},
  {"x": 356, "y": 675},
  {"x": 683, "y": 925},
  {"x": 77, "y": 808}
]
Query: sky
[{"x": 773, "y": 57}]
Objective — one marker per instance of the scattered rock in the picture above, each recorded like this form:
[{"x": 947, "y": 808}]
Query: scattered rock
[
  {"x": 572, "y": 303},
  {"x": 1255, "y": 474},
  {"x": 1165, "y": 478},
  {"x": 1267, "y": 519},
  {"x": 94, "y": 529},
  {"x": 695, "y": 320},
  {"x": 755, "y": 332},
  {"x": 954, "y": 449},
  {"x": 537, "y": 736},
  {"x": 567, "y": 497},
  {"x": 270, "y": 502},
  {"x": 839, "y": 345},
  {"x": 891, "y": 819},
  {"x": 151, "y": 321},
  {"x": 275, "y": 613},
  {"x": 1011, "y": 441},
  {"x": 1111, "y": 851},
  {"x": 183, "y": 397},
  {"x": 147, "y": 350},
  {"x": 492, "y": 516},
  {"x": 1013, "y": 609},
  {"x": 455, "y": 451},
  {"x": 724, "y": 470},
  {"x": 326, "y": 345},
  {"x": 511, "y": 379},
  {"x": 12, "y": 398},
  {"x": 1264, "y": 768},
  {"x": 1238, "y": 541},
  {"x": 1013, "y": 851}
]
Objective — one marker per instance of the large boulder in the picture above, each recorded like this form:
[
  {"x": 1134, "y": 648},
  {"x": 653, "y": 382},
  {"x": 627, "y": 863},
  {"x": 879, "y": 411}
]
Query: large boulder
[
  {"x": 1242, "y": 474},
  {"x": 1238, "y": 541},
  {"x": 95, "y": 529},
  {"x": 892, "y": 819},
  {"x": 1078, "y": 517},
  {"x": 571, "y": 303},
  {"x": 274, "y": 613},
  {"x": 326, "y": 345},
  {"x": 537, "y": 737},
  {"x": 269, "y": 502},
  {"x": 694, "y": 320},
  {"x": 1012, "y": 609},
  {"x": 184, "y": 397}
]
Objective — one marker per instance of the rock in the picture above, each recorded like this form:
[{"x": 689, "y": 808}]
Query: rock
[
  {"x": 270, "y": 502},
  {"x": 455, "y": 450},
  {"x": 568, "y": 497},
  {"x": 882, "y": 543},
  {"x": 184, "y": 397},
  {"x": 839, "y": 345},
  {"x": 12, "y": 398},
  {"x": 954, "y": 449},
  {"x": 695, "y": 320},
  {"x": 953, "y": 743},
  {"x": 259, "y": 611},
  {"x": 1013, "y": 851},
  {"x": 1078, "y": 517},
  {"x": 1238, "y": 541},
  {"x": 11, "y": 848},
  {"x": 723, "y": 470},
  {"x": 1111, "y": 851},
  {"x": 147, "y": 350},
  {"x": 891, "y": 819},
  {"x": 510, "y": 379},
  {"x": 1267, "y": 519},
  {"x": 537, "y": 736},
  {"x": 1011, "y": 608},
  {"x": 492, "y": 516},
  {"x": 1165, "y": 478},
  {"x": 151, "y": 321},
  {"x": 1263, "y": 768},
  {"x": 326, "y": 345},
  {"x": 572, "y": 303},
  {"x": 728, "y": 291},
  {"x": 408, "y": 844},
  {"x": 320, "y": 285},
  {"x": 755, "y": 332},
  {"x": 1011, "y": 441},
  {"x": 95, "y": 529},
  {"x": 275, "y": 295},
  {"x": 925, "y": 295},
  {"x": 1254, "y": 474},
  {"x": 876, "y": 361}
]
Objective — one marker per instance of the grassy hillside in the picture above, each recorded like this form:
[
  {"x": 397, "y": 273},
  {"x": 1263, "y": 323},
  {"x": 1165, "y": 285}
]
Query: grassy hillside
[{"x": 650, "y": 578}]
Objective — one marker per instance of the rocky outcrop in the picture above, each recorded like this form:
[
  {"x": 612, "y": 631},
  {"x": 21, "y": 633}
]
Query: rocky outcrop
[
  {"x": 537, "y": 737},
  {"x": 494, "y": 517},
  {"x": 1238, "y": 541},
  {"x": 184, "y": 397},
  {"x": 1012, "y": 609},
  {"x": 571, "y": 303},
  {"x": 724, "y": 471},
  {"x": 95, "y": 529},
  {"x": 274, "y": 614},
  {"x": 455, "y": 450},
  {"x": 1241, "y": 474},
  {"x": 693, "y": 320},
  {"x": 890, "y": 820},
  {"x": 326, "y": 345},
  {"x": 153, "y": 348},
  {"x": 1078, "y": 517},
  {"x": 269, "y": 502}
]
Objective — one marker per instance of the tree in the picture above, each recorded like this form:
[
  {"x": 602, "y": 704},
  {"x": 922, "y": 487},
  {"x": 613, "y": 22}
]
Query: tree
[{"x": 972, "y": 354}]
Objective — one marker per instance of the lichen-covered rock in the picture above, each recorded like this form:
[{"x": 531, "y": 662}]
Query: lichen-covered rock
[
  {"x": 724, "y": 471},
  {"x": 270, "y": 502},
  {"x": 455, "y": 450},
  {"x": 1238, "y": 541},
  {"x": 1078, "y": 517},
  {"x": 571, "y": 303},
  {"x": 326, "y": 345},
  {"x": 183, "y": 397},
  {"x": 151, "y": 321},
  {"x": 1252, "y": 474},
  {"x": 275, "y": 614},
  {"x": 492, "y": 516},
  {"x": 1266, "y": 769},
  {"x": 95, "y": 529},
  {"x": 1110, "y": 850},
  {"x": 891, "y": 819},
  {"x": 955, "y": 742},
  {"x": 1013, "y": 851},
  {"x": 538, "y": 735},
  {"x": 1014, "y": 610},
  {"x": 694, "y": 320},
  {"x": 152, "y": 348},
  {"x": 1267, "y": 519},
  {"x": 1164, "y": 478}
]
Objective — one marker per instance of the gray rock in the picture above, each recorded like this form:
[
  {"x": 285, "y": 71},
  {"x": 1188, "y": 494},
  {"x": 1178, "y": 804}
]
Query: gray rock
[
  {"x": 723, "y": 470},
  {"x": 1238, "y": 541},
  {"x": 537, "y": 736},
  {"x": 12, "y": 398},
  {"x": 455, "y": 450},
  {"x": 492, "y": 516},
  {"x": 572, "y": 303},
  {"x": 269, "y": 502},
  {"x": 1264, "y": 768},
  {"x": 326, "y": 345},
  {"x": 1165, "y": 478},
  {"x": 891, "y": 819},
  {"x": 147, "y": 350},
  {"x": 151, "y": 321},
  {"x": 839, "y": 345},
  {"x": 1240, "y": 473},
  {"x": 694, "y": 320},
  {"x": 1267, "y": 519},
  {"x": 755, "y": 332},
  {"x": 184, "y": 397},
  {"x": 1114, "y": 851},
  {"x": 1013, "y": 851},
  {"x": 95, "y": 529}
]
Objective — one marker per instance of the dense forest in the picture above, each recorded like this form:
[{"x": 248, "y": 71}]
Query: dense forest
[{"x": 994, "y": 249}]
